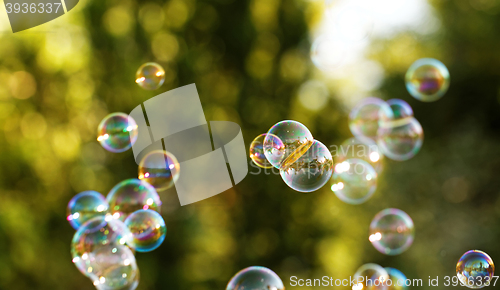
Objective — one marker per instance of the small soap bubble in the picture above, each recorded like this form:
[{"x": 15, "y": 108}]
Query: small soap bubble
[
  {"x": 113, "y": 267},
  {"x": 370, "y": 277},
  {"x": 427, "y": 79},
  {"x": 97, "y": 232},
  {"x": 398, "y": 279},
  {"x": 311, "y": 171},
  {"x": 366, "y": 150},
  {"x": 160, "y": 169},
  {"x": 255, "y": 277},
  {"x": 354, "y": 181},
  {"x": 296, "y": 139},
  {"x": 85, "y": 206},
  {"x": 364, "y": 118},
  {"x": 117, "y": 132},
  {"x": 150, "y": 76},
  {"x": 475, "y": 269},
  {"x": 400, "y": 139},
  {"x": 130, "y": 195},
  {"x": 391, "y": 231},
  {"x": 148, "y": 230},
  {"x": 257, "y": 150}
]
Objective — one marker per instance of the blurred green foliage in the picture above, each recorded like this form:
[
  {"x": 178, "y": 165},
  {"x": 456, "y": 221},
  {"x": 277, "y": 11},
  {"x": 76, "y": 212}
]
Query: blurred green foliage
[{"x": 248, "y": 59}]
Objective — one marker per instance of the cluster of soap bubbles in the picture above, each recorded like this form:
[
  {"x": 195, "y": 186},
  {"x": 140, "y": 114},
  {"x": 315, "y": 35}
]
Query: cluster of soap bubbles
[
  {"x": 109, "y": 230},
  {"x": 305, "y": 164}
]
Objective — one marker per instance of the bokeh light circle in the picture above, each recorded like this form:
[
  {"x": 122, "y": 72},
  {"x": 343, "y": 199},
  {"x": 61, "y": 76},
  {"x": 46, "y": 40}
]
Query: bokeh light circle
[
  {"x": 391, "y": 231},
  {"x": 255, "y": 278},
  {"x": 427, "y": 79},
  {"x": 117, "y": 132}
]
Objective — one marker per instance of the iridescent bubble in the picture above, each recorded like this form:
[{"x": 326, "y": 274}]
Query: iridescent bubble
[
  {"x": 427, "y": 79},
  {"x": 117, "y": 132},
  {"x": 475, "y": 269},
  {"x": 311, "y": 171},
  {"x": 84, "y": 206},
  {"x": 97, "y": 232},
  {"x": 255, "y": 278},
  {"x": 130, "y": 195},
  {"x": 400, "y": 139},
  {"x": 150, "y": 76},
  {"x": 148, "y": 230},
  {"x": 113, "y": 267},
  {"x": 398, "y": 279},
  {"x": 400, "y": 108},
  {"x": 354, "y": 181},
  {"x": 366, "y": 150},
  {"x": 257, "y": 150},
  {"x": 370, "y": 277},
  {"x": 365, "y": 116},
  {"x": 391, "y": 231},
  {"x": 296, "y": 139},
  {"x": 160, "y": 169}
]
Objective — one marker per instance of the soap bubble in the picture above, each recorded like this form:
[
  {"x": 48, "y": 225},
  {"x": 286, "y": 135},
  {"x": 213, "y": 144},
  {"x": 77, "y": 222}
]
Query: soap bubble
[
  {"x": 160, "y": 169},
  {"x": 475, "y": 269},
  {"x": 148, "y": 230},
  {"x": 97, "y": 232},
  {"x": 398, "y": 279},
  {"x": 427, "y": 79},
  {"x": 370, "y": 277},
  {"x": 366, "y": 150},
  {"x": 354, "y": 181},
  {"x": 400, "y": 139},
  {"x": 311, "y": 171},
  {"x": 150, "y": 76},
  {"x": 391, "y": 231},
  {"x": 255, "y": 277},
  {"x": 296, "y": 138},
  {"x": 113, "y": 267},
  {"x": 365, "y": 116},
  {"x": 117, "y": 132},
  {"x": 257, "y": 150},
  {"x": 131, "y": 195},
  {"x": 85, "y": 206},
  {"x": 400, "y": 108}
]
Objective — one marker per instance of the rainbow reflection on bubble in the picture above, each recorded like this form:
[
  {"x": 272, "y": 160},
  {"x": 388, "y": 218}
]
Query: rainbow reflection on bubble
[
  {"x": 296, "y": 139},
  {"x": 131, "y": 195},
  {"x": 354, "y": 181},
  {"x": 148, "y": 230},
  {"x": 255, "y": 277},
  {"x": 311, "y": 171},
  {"x": 117, "y": 132},
  {"x": 475, "y": 269},
  {"x": 398, "y": 279},
  {"x": 364, "y": 118},
  {"x": 391, "y": 231},
  {"x": 160, "y": 169},
  {"x": 150, "y": 76},
  {"x": 257, "y": 150},
  {"x": 427, "y": 79},
  {"x": 370, "y": 277},
  {"x": 400, "y": 109},
  {"x": 366, "y": 150},
  {"x": 97, "y": 232},
  {"x": 113, "y": 267},
  {"x": 85, "y": 206}
]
